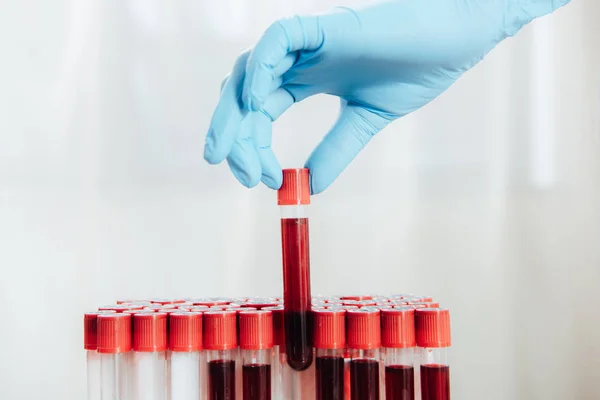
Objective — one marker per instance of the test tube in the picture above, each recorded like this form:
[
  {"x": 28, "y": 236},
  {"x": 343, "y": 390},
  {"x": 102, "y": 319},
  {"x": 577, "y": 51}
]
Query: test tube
[
  {"x": 149, "y": 357},
  {"x": 114, "y": 347},
  {"x": 278, "y": 352},
  {"x": 256, "y": 344},
  {"x": 432, "y": 327},
  {"x": 185, "y": 343},
  {"x": 220, "y": 342},
  {"x": 364, "y": 340},
  {"x": 90, "y": 344},
  {"x": 329, "y": 338},
  {"x": 293, "y": 199},
  {"x": 398, "y": 343}
]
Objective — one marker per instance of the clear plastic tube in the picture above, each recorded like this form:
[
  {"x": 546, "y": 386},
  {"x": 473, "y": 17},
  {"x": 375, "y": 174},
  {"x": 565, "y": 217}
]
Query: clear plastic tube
[
  {"x": 433, "y": 340},
  {"x": 329, "y": 380},
  {"x": 93, "y": 375},
  {"x": 221, "y": 374},
  {"x": 185, "y": 374},
  {"x": 398, "y": 352},
  {"x": 435, "y": 373},
  {"x": 256, "y": 373},
  {"x": 114, "y": 370},
  {"x": 364, "y": 374},
  {"x": 149, "y": 367},
  {"x": 293, "y": 197},
  {"x": 399, "y": 373},
  {"x": 220, "y": 339},
  {"x": 149, "y": 373},
  {"x": 114, "y": 347},
  {"x": 185, "y": 359},
  {"x": 364, "y": 340}
]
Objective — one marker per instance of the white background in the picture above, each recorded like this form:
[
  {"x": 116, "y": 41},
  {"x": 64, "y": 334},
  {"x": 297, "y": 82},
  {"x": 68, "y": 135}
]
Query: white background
[{"x": 487, "y": 199}]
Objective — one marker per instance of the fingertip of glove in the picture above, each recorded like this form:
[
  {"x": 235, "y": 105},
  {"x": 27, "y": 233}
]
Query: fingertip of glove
[{"x": 271, "y": 183}]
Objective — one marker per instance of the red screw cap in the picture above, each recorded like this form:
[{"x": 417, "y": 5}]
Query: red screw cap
[
  {"x": 329, "y": 328},
  {"x": 295, "y": 189},
  {"x": 185, "y": 331},
  {"x": 432, "y": 327},
  {"x": 114, "y": 333}
]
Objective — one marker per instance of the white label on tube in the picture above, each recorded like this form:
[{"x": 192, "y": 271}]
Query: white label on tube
[{"x": 185, "y": 376}]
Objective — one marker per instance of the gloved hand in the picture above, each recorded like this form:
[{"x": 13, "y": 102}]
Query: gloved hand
[{"x": 383, "y": 62}]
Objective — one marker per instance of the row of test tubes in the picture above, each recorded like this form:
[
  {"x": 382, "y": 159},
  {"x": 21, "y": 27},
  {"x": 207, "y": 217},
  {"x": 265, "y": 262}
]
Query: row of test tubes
[{"x": 364, "y": 348}]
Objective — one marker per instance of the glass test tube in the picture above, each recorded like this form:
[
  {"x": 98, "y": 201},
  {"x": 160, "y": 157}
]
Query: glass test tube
[
  {"x": 149, "y": 357},
  {"x": 256, "y": 344},
  {"x": 293, "y": 199},
  {"x": 398, "y": 343},
  {"x": 363, "y": 341},
  {"x": 220, "y": 342},
  {"x": 185, "y": 344},
  {"x": 432, "y": 327},
  {"x": 114, "y": 347},
  {"x": 329, "y": 337},
  {"x": 90, "y": 344}
]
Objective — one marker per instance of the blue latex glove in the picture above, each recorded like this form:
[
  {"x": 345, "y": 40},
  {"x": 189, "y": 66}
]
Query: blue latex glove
[{"x": 383, "y": 62}]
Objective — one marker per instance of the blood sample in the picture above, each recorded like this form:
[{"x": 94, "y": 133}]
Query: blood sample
[
  {"x": 329, "y": 336},
  {"x": 220, "y": 341},
  {"x": 398, "y": 343},
  {"x": 185, "y": 343},
  {"x": 90, "y": 344},
  {"x": 114, "y": 346},
  {"x": 293, "y": 197},
  {"x": 256, "y": 344},
  {"x": 149, "y": 357},
  {"x": 364, "y": 340},
  {"x": 432, "y": 327}
]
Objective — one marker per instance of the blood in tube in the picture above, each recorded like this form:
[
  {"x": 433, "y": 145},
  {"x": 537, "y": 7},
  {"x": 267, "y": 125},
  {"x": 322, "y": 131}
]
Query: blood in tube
[
  {"x": 435, "y": 382},
  {"x": 399, "y": 382},
  {"x": 294, "y": 196},
  {"x": 221, "y": 375},
  {"x": 364, "y": 378},
  {"x": 330, "y": 378},
  {"x": 257, "y": 381}
]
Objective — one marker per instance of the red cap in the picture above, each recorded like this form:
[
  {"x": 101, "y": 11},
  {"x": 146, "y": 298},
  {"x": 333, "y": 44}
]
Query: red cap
[
  {"x": 150, "y": 332},
  {"x": 164, "y": 301},
  {"x": 114, "y": 333},
  {"x": 329, "y": 328},
  {"x": 366, "y": 303},
  {"x": 256, "y": 330},
  {"x": 211, "y": 301},
  {"x": 144, "y": 311},
  {"x": 363, "y": 328},
  {"x": 220, "y": 330},
  {"x": 432, "y": 327},
  {"x": 261, "y": 302},
  {"x": 416, "y": 306},
  {"x": 425, "y": 299},
  {"x": 398, "y": 327},
  {"x": 278, "y": 332},
  {"x": 198, "y": 308},
  {"x": 185, "y": 331},
  {"x": 121, "y": 307},
  {"x": 427, "y": 304},
  {"x": 356, "y": 297},
  {"x": 90, "y": 329},
  {"x": 295, "y": 188}
]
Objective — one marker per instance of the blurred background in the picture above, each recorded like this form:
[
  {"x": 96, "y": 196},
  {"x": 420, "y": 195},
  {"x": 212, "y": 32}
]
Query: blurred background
[{"x": 487, "y": 199}]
